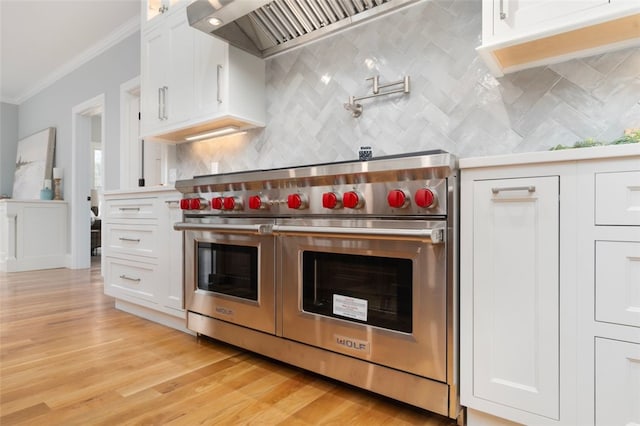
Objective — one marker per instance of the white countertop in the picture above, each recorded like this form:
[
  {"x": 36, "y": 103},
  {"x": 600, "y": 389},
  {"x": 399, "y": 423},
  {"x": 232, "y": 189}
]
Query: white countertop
[
  {"x": 141, "y": 190},
  {"x": 572, "y": 154}
]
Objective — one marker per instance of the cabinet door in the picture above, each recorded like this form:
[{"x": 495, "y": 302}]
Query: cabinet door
[
  {"x": 516, "y": 293},
  {"x": 174, "y": 278},
  {"x": 211, "y": 70},
  {"x": 153, "y": 78},
  {"x": 513, "y": 17},
  {"x": 180, "y": 87},
  {"x": 617, "y": 382}
]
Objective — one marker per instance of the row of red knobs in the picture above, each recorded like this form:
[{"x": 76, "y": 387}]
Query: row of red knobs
[{"x": 396, "y": 198}]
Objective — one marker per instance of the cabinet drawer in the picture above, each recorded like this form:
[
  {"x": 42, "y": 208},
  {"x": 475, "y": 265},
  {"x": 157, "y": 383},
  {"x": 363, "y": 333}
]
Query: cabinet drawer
[
  {"x": 617, "y": 389},
  {"x": 139, "y": 208},
  {"x": 618, "y": 198},
  {"x": 132, "y": 279},
  {"x": 618, "y": 282},
  {"x": 139, "y": 240}
]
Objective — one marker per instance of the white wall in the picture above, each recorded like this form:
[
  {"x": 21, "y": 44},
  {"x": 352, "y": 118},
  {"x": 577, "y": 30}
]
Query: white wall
[
  {"x": 8, "y": 146},
  {"x": 52, "y": 106}
]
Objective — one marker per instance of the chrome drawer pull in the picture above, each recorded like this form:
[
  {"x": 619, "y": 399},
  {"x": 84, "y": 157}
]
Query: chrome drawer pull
[
  {"x": 137, "y": 209},
  {"x": 135, "y": 240},
  {"x": 529, "y": 188},
  {"x": 124, "y": 277}
]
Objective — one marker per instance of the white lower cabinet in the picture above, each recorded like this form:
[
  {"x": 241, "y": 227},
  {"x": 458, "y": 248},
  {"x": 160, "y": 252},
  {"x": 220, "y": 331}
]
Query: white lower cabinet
[
  {"x": 550, "y": 288},
  {"x": 143, "y": 254},
  {"x": 515, "y": 293},
  {"x": 617, "y": 383}
]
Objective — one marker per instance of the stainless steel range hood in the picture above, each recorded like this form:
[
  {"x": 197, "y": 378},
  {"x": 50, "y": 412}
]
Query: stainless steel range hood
[{"x": 267, "y": 27}]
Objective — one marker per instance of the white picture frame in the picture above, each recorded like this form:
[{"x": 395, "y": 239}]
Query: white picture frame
[{"x": 34, "y": 164}]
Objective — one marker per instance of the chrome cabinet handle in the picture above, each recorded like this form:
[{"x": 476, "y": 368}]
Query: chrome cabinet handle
[
  {"x": 219, "y": 96},
  {"x": 124, "y": 277},
  {"x": 171, "y": 202},
  {"x": 165, "y": 90},
  {"x": 159, "y": 103},
  {"x": 135, "y": 240},
  {"x": 503, "y": 12},
  {"x": 123, "y": 209},
  {"x": 529, "y": 188}
]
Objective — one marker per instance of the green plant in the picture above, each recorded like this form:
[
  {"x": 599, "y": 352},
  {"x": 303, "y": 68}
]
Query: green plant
[{"x": 633, "y": 137}]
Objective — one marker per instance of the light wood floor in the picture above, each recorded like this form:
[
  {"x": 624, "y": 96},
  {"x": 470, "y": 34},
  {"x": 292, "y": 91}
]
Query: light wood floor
[{"x": 67, "y": 357}]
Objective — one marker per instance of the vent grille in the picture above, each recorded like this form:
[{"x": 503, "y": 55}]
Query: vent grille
[{"x": 284, "y": 20}]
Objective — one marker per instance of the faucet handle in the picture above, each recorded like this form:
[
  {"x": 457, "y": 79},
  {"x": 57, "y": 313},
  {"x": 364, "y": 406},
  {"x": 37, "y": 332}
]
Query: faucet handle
[{"x": 376, "y": 84}]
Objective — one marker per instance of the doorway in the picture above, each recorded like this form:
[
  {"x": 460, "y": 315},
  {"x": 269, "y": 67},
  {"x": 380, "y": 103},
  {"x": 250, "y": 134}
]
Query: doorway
[{"x": 87, "y": 147}]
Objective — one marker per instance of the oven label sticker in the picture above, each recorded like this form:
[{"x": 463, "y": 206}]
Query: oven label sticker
[{"x": 350, "y": 307}]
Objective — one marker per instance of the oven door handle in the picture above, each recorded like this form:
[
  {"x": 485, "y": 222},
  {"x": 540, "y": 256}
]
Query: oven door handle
[
  {"x": 435, "y": 235},
  {"x": 261, "y": 229}
]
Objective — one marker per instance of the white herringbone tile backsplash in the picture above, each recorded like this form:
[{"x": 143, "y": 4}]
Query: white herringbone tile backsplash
[{"x": 455, "y": 104}]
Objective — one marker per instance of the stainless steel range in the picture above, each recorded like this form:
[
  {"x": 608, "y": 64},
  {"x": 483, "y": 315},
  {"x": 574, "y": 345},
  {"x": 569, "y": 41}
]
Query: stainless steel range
[{"x": 345, "y": 269}]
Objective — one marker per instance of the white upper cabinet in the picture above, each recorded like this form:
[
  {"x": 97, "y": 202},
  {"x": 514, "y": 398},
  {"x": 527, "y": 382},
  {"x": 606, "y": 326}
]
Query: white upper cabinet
[
  {"x": 193, "y": 83},
  {"x": 519, "y": 34},
  {"x": 167, "y": 72}
]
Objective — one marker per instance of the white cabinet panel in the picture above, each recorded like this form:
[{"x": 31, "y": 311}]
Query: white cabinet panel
[
  {"x": 130, "y": 279},
  {"x": 138, "y": 208},
  {"x": 137, "y": 240},
  {"x": 515, "y": 293},
  {"x": 618, "y": 282},
  {"x": 33, "y": 235},
  {"x": 179, "y": 62},
  {"x": 518, "y": 16},
  {"x": 617, "y": 383},
  {"x": 154, "y": 51},
  {"x": 618, "y": 198},
  {"x": 209, "y": 70}
]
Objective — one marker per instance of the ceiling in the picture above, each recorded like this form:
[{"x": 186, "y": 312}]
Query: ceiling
[{"x": 43, "y": 40}]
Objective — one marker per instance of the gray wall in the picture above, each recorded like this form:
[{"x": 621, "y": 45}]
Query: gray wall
[
  {"x": 8, "y": 146},
  {"x": 52, "y": 106},
  {"x": 455, "y": 104}
]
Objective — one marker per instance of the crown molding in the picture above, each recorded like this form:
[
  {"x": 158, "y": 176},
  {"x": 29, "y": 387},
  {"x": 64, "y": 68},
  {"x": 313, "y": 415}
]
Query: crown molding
[{"x": 121, "y": 33}]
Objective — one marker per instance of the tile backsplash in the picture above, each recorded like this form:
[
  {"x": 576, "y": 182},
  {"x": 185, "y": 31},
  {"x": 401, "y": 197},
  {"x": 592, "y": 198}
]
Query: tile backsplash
[{"x": 455, "y": 104}]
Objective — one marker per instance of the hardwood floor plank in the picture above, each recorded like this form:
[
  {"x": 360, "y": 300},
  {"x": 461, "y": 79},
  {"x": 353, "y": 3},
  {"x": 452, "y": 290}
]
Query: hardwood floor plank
[{"x": 68, "y": 357}]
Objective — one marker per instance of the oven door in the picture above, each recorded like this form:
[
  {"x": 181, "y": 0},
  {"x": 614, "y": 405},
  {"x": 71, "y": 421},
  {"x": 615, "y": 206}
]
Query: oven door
[
  {"x": 229, "y": 272},
  {"x": 374, "y": 290}
]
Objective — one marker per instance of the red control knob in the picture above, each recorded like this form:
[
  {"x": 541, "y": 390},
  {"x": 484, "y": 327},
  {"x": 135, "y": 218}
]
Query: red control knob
[
  {"x": 217, "y": 203},
  {"x": 232, "y": 203},
  {"x": 184, "y": 204},
  {"x": 425, "y": 198},
  {"x": 196, "y": 204},
  {"x": 398, "y": 199},
  {"x": 297, "y": 201},
  {"x": 352, "y": 200},
  {"x": 331, "y": 200},
  {"x": 256, "y": 202}
]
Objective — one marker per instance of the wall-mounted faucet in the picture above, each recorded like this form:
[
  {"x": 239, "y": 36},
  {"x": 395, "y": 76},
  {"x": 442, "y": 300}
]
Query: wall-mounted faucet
[{"x": 356, "y": 108}]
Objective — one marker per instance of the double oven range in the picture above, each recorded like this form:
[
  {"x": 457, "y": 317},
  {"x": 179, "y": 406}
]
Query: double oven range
[{"x": 346, "y": 269}]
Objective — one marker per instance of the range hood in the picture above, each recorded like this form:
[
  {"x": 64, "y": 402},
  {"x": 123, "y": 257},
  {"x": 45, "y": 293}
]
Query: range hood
[{"x": 267, "y": 27}]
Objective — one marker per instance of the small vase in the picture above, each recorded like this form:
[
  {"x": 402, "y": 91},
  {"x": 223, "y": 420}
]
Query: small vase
[{"x": 46, "y": 194}]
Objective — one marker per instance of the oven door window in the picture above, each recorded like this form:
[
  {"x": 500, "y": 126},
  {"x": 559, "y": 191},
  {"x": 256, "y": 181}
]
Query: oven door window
[
  {"x": 228, "y": 269},
  {"x": 366, "y": 289}
]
